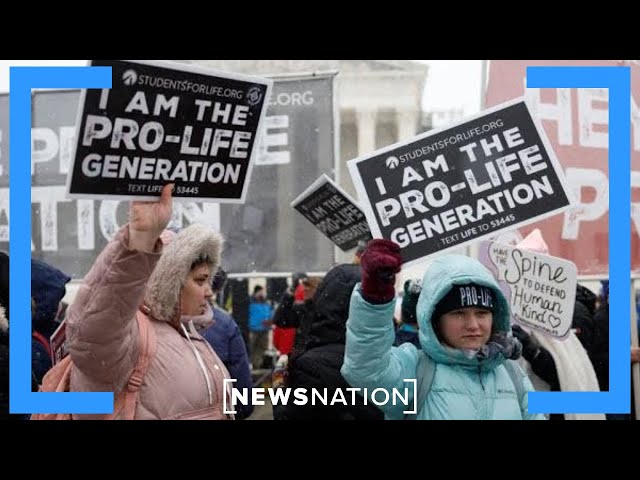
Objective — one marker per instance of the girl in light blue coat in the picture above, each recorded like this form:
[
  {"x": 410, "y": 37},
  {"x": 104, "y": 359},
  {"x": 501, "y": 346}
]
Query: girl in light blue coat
[{"x": 464, "y": 329}]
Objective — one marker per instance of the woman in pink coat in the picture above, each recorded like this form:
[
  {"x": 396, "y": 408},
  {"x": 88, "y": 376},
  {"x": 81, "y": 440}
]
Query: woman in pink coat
[{"x": 170, "y": 284}]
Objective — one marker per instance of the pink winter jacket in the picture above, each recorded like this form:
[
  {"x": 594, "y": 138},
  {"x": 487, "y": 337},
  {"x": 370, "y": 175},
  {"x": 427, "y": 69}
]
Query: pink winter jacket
[{"x": 103, "y": 332}]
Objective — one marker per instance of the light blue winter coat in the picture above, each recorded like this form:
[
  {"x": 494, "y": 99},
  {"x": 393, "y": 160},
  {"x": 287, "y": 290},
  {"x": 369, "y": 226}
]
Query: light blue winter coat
[{"x": 463, "y": 388}]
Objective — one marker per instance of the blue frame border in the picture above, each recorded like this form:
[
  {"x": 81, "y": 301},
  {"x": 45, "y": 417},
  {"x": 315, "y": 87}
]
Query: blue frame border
[
  {"x": 618, "y": 81},
  {"x": 22, "y": 80}
]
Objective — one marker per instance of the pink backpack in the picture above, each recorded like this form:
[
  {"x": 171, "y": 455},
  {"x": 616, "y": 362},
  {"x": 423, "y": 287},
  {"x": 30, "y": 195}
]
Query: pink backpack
[{"x": 58, "y": 378}]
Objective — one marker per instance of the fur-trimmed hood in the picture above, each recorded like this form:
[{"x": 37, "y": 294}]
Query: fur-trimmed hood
[{"x": 163, "y": 289}]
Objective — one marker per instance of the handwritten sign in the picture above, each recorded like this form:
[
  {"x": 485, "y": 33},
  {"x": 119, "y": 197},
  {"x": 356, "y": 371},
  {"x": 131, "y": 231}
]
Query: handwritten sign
[{"x": 541, "y": 289}]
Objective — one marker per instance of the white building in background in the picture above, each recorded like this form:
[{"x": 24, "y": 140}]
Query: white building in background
[
  {"x": 379, "y": 102},
  {"x": 436, "y": 119}
]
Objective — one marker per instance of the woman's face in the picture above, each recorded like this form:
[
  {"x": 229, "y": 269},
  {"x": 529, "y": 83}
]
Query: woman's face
[
  {"x": 466, "y": 328},
  {"x": 196, "y": 292}
]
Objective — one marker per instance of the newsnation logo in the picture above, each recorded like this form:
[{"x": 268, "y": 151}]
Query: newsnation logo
[{"x": 314, "y": 396}]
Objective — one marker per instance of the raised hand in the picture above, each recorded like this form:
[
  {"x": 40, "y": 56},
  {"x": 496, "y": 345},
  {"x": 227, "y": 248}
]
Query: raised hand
[
  {"x": 380, "y": 263},
  {"x": 147, "y": 220}
]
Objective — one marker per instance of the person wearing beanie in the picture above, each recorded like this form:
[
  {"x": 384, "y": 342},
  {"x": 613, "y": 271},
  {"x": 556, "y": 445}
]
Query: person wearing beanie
[
  {"x": 464, "y": 331},
  {"x": 408, "y": 330}
]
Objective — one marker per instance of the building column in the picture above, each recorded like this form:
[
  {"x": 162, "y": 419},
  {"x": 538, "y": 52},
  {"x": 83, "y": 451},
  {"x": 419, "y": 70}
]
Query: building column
[
  {"x": 366, "y": 124},
  {"x": 407, "y": 124}
]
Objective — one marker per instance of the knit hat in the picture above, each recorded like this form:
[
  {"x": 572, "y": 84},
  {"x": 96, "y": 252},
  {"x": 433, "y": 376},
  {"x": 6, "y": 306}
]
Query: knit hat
[
  {"x": 465, "y": 296},
  {"x": 412, "y": 289}
]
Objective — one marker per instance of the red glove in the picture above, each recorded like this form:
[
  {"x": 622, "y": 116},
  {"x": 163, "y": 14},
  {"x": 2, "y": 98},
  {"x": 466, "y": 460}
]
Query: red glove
[{"x": 379, "y": 263}]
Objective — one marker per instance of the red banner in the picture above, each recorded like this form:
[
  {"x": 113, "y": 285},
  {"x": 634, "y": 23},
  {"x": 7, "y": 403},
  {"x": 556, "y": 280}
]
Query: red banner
[{"x": 576, "y": 121}]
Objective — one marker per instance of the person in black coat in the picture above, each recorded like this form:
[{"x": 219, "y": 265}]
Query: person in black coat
[
  {"x": 318, "y": 365},
  {"x": 582, "y": 323}
]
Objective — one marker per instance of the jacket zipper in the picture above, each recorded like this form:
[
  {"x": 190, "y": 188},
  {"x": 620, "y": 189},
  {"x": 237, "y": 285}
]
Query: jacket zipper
[{"x": 483, "y": 415}]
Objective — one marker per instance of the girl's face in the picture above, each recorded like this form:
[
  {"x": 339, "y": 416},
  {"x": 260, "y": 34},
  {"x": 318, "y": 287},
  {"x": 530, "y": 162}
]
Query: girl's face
[
  {"x": 466, "y": 328},
  {"x": 196, "y": 292}
]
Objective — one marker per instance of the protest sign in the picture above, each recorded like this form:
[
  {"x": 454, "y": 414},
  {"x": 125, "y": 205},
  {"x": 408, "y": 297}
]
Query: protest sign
[
  {"x": 168, "y": 123},
  {"x": 299, "y": 144},
  {"x": 444, "y": 189},
  {"x": 541, "y": 289},
  {"x": 332, "y": 211},
  {"x": 58, "y": 343}
]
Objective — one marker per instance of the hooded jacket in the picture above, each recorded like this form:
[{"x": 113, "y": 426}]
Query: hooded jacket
[
  {"x": 184, "y": 379},
  {"x": 318, "y": 365},
  {"x": 48, "y": 288},
  {"x": 463, "y": 387}
]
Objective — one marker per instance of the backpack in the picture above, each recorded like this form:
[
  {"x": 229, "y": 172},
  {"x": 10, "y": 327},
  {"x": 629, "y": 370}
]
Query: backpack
[
  {"x": 58, "y": 378},
  {"x": 426, "y": 370}
]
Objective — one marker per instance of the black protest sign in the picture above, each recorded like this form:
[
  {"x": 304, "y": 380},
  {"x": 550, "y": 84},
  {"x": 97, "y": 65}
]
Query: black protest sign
[
  {"x": 168, "y": 123},
  {"x": 445, "y": 189},
  {"x": 299, "y": 145},
  {"x": 71, "y": 233},
  {"x": 334, "y": 213}
]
